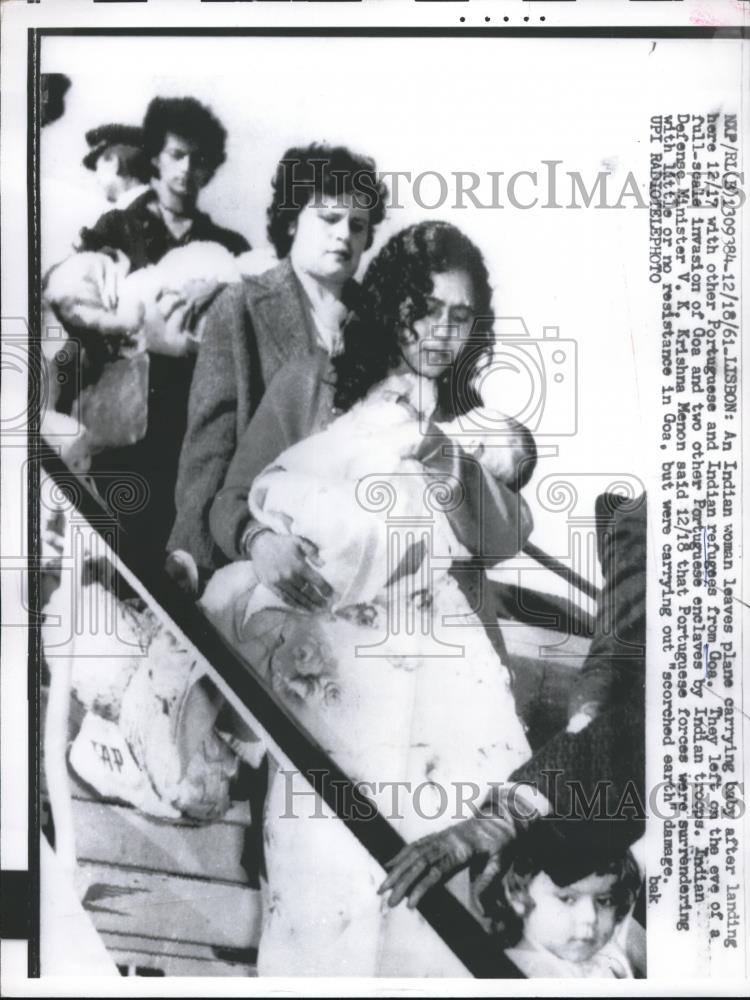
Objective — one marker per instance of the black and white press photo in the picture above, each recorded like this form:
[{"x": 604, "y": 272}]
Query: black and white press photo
[{"x": 383, "y": 503}]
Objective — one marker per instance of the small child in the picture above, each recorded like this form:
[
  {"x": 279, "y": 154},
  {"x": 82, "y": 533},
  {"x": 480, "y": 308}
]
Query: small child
[{"x": 557, "y": 910}]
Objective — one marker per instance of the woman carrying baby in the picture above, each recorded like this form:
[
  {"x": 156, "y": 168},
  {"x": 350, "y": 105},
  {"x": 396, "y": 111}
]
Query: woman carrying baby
[{"x": 387, "y": 665}]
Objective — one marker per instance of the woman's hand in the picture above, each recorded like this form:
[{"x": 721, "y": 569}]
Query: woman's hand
[
  {"x": 435, "y": 858},
  {"x": 282, "y": 562}
]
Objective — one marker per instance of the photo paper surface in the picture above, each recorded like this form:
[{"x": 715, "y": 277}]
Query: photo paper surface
[{"x": 373, "y": 498}]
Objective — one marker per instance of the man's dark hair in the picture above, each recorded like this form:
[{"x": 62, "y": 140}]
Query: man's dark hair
[
  {"x": 395, "y": 291},
  {"x": 54, "y": 88},
  {"x": 189, "y": 119},
  {"x": 306, "y": 172}
]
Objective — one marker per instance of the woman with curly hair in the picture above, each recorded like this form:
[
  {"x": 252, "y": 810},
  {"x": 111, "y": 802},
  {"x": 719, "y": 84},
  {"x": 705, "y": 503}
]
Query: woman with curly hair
[
  {"x": 401, "y": 296},
  {"x": 383, "y": 501}
]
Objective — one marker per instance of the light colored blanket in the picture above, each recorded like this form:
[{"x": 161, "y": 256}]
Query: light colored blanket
[{"x": 159, "y": 308}]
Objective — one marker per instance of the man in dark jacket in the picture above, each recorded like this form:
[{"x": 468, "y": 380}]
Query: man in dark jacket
[{"x": 185, "y": 144}]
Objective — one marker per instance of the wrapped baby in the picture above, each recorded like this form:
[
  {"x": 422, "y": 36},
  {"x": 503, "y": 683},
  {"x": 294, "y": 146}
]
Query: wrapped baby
[
  {"x": 349, "y": 487},
  {"x": 157, "y": 308},
  {"x": 118, "y": 318}
]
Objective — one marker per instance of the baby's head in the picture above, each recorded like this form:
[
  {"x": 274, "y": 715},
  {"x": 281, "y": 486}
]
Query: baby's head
[
  {"x": 504, "y": 446},
  {"x": 568, "y": 908},
  {"x": 88, "y": 291}
]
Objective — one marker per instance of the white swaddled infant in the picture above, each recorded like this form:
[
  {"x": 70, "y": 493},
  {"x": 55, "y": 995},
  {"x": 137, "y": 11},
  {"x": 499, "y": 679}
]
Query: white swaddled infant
[
  {"x": 374, "y": 437},
  {"x": 504, "y": 446},
  {"x": 158, "y": 308},
  {"x": 328, "y": 487},
  {"x": 350, "y": 487}
]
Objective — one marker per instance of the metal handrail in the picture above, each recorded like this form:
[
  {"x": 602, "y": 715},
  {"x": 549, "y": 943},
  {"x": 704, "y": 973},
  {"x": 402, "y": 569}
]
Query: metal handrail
[{"x": 560, "y": 569}]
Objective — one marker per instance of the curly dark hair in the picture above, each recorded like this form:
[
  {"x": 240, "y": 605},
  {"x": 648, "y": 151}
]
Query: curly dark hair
[
  {"x": 333, "y": 170},
  {"x": 507, "y": 924},
  {"x": 395, "y": 291},
  {"x": 188, "y": 118}
]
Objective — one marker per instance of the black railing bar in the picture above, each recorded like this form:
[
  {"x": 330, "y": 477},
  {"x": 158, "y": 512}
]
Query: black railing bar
[{"x": 560, "y": 569}]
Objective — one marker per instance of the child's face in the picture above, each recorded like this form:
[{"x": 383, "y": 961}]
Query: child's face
[{"x": 572, "y": 921}]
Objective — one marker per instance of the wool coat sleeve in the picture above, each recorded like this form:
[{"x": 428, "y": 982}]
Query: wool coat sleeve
[
  {"x": 263, "y": 440},
  {"x": 211, "y": 437},
  {"x": 292, "y": 408},
  {"x": 603, "y": 765}
]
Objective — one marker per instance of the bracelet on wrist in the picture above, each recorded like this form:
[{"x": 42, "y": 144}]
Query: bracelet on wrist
[{"x": 249, "y": 536}]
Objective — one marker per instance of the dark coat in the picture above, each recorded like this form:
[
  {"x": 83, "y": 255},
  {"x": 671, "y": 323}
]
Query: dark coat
[
  {"x": 251, "y": 330},
  {"x": 144, "y": 473},
  {"x": 142, "y": 235},
  {"x": 606, "y": 759}
]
